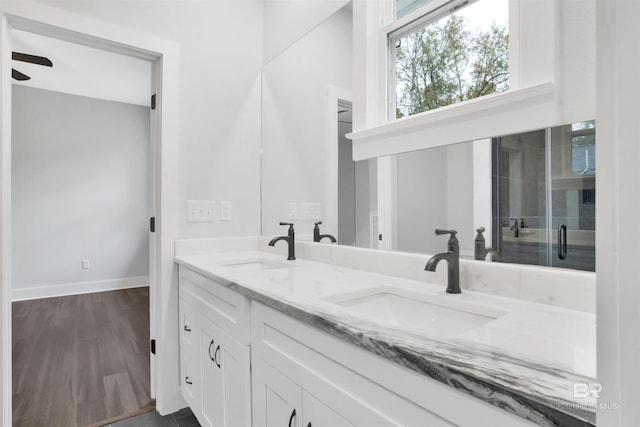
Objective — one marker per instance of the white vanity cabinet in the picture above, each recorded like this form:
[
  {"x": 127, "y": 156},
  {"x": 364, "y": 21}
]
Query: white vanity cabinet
[
  {"x": 215, "y": 366},
  {"x": 189, "y": 357},
  {"x": 279, "y": 402},
  {"x": 330, "y": 382},
  {"x": 245, "y": 364}
]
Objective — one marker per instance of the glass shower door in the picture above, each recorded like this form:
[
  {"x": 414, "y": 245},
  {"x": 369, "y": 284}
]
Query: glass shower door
[
  {"x": 544, "y": 197},
  {"x": 520, "y": 207},
  {"x": 573, "y": 198}
]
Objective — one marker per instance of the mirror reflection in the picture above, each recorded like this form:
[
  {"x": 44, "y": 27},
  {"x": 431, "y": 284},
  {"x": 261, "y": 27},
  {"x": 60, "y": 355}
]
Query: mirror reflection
[
  {"x": 532, "y": 194},
  {"x": 529, "y": 196},
  {"x": 301, "y": 89}
]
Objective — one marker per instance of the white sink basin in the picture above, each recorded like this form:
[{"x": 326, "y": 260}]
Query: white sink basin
[
  {"x": 422, "y": 314},
  {"x": 254, "y": 265}
]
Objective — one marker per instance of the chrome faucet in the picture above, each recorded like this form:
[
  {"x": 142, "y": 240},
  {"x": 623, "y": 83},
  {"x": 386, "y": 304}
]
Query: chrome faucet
[
  {"x": 480, "y": 251},
  {"x": 453, "y": 261},
  {"x": 317, "y": 236},
  {"x": 289, "y": 238}
]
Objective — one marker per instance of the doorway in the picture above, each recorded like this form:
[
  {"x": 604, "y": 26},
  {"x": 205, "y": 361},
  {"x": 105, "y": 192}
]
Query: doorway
[
  {"x": 80, "y": 209},
  {"x": 164, "y": 55}
]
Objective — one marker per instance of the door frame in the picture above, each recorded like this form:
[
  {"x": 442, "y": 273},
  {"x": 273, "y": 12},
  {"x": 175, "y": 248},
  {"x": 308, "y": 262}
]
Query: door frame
[
  {"x": 164, "y": 55},
  {"x": 335, "y": 95}
]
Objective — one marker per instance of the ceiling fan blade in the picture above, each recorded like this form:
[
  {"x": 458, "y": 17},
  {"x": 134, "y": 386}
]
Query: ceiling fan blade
[
  {"x": 18, "y": 75},
  {"x": 33, "y": 59}
]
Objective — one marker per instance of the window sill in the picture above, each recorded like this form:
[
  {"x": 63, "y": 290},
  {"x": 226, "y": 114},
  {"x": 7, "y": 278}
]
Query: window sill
[{"x": 514, "y": 111}]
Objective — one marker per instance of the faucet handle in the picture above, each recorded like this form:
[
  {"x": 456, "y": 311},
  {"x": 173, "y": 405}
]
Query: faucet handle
[
  {"x": 440, "y": 232},
  {"x": 317, "y": 223},
  {"x": 480, "y": 230},
  {"x": 286, "y": 223}
]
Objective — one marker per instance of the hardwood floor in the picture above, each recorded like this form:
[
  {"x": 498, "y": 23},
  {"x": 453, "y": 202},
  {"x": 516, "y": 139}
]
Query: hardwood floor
[{"x": 81, "y": 359}]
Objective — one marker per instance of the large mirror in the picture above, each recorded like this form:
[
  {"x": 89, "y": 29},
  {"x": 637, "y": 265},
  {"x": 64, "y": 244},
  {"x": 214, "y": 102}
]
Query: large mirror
[
  {"x": 300, "y": 127},
  {"x": 533, "y": 193}
]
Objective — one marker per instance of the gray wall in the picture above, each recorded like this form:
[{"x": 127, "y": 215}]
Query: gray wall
[
  {"x": 346, "y": 187},
  {"x": 80, "y": 189}
]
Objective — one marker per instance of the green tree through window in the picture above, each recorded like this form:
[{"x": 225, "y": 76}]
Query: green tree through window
[{"x": 450, "y": 61}]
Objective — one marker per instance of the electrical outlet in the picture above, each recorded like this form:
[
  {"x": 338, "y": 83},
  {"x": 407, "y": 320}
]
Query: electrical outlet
[
  {"x": 293, "y": 211},
  {"x": 225, "y": 211},
  {"x": 85, "y": 264}
]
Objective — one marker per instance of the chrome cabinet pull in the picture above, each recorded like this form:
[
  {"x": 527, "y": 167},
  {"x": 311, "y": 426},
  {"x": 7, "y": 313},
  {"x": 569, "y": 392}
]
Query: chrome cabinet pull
[
  {"x": 188, "y": 381},
  {"x": 186, "y": 328}
]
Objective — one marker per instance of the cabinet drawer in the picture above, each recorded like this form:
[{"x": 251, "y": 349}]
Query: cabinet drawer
[{"x": 228, "y": 309}]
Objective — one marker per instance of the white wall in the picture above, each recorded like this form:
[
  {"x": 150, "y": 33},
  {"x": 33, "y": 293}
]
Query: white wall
[
  {"x": 435, "y": 190},
  {"x": 286, "y": 21},
  {"x": 294, "y": 121},
  {"x": 618, "y": 186},
  {"x": 220, "y": 61},
  {"x": 460, "y": 198},
  {"x": 422, "y": 200},
  {"x": 80, "y": 190}
]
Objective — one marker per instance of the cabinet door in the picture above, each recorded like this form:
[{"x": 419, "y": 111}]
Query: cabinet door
[
  {"x": 317, "y": 414},
  {"x": 226, "y": 379},
  {"x": 189, "y": 356},
  {"x": 277, "y": 401},
  {"x": 212, "y": 386}
]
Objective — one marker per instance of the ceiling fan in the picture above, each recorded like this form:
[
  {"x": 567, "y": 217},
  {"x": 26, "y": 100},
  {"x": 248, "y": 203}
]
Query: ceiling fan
[{"x": 25, "y": 57}]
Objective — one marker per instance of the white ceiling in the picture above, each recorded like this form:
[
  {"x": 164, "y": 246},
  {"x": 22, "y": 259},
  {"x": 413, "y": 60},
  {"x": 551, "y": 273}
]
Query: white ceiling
[{"x": 82, "y": 70}]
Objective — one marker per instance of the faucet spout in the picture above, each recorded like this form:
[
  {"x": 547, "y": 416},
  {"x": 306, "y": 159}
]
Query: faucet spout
[
  {"x": 452, "y": 257},
  {"x": 317, "y": 236},
  {"x": 480, "y": 251},
  {"x": 435, "y": 260},
  {"x": 289, "y": 238},
  {"x": 277, "y": 239}
]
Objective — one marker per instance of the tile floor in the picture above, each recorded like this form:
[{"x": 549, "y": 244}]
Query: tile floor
[{"x": 182, "y": 418}]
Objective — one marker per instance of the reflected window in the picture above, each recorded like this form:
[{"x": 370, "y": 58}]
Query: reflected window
[{"x": 583, "y": 147}]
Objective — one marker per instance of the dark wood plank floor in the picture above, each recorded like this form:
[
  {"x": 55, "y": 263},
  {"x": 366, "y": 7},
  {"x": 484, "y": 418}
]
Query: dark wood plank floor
[{"x": 81, "y": 359}]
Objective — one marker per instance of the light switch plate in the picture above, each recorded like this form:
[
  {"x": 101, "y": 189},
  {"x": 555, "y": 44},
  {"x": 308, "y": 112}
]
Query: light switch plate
[
  {"x": 201, "y": 211},
  {"x": 293, "y": 211},
  {"x": 310, "y": 211}
]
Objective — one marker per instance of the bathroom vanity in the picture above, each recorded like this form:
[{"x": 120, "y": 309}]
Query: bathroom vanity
[{"x": 271, "y": 342}]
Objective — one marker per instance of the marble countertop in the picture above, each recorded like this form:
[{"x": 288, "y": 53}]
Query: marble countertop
[{"x": 526, "y": 361}]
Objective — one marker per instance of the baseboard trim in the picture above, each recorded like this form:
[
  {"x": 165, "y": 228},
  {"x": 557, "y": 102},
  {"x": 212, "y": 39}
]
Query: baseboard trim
[{"x": 24, "y": 294}]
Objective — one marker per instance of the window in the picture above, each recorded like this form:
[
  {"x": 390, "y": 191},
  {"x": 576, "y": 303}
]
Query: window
[
  {"x": 583, "y": 148},
  {"x": 456, "y": 52},
  {"x": 404, "y": 7}
]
